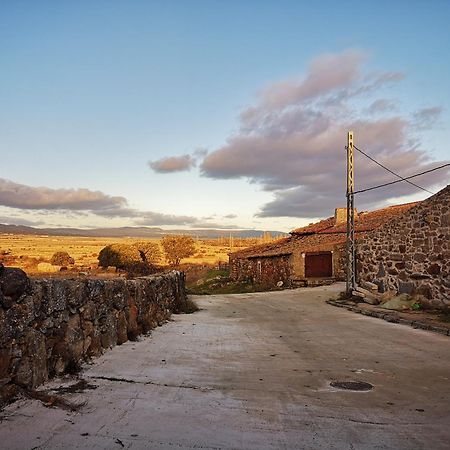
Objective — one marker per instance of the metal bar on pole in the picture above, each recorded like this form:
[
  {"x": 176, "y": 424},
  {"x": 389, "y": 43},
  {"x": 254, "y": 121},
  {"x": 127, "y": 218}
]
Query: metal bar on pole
[{"x": 351, "y": 250}]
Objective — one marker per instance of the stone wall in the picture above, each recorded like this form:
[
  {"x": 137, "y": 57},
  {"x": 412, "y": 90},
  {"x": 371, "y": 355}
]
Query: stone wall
[
  {"x": 49, "y": 326},
  {"x": 263, "y": 271},
  {"x": 412, "y": 253}
]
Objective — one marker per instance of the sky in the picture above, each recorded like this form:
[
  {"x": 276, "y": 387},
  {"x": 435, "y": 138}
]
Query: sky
[{"x": 193, "y": 114}]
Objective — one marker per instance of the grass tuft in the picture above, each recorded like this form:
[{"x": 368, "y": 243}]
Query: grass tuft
[{"x": 188, "y": 307}]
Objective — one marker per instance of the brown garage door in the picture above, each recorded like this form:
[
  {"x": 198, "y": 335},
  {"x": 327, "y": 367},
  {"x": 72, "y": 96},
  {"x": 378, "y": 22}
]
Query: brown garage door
[{"x": 318, "y": 265}]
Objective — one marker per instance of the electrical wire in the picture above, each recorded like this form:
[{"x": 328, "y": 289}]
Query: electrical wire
[
  {"x": 391, "y": 171},
  {"x": 403, "y": 179}
]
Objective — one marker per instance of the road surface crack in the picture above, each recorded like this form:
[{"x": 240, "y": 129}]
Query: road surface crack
[{"x": 151, "y": 383}]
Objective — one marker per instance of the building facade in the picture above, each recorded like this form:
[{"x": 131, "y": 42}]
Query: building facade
[
  {"x": 412, "y": 253},
  {"x": 312, "y": 255}
]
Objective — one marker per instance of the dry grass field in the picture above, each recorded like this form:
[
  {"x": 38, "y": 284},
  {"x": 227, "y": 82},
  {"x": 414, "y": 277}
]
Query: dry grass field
[{"x": 26, "y": 251}]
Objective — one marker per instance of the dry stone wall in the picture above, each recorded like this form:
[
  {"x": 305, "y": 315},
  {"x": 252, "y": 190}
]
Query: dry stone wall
[
  {"x": 412, "y": 253},
  {"x": 263, "y": 271},
  {"x": 49, "y": 326}
]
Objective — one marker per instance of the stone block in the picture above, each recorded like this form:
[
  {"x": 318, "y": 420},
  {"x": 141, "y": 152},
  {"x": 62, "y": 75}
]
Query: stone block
[{"x": 406, "y": 287}]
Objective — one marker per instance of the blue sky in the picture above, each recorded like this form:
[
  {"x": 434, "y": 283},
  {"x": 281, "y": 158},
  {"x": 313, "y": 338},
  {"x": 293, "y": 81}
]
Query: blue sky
[{"x": 93, "y": 91}]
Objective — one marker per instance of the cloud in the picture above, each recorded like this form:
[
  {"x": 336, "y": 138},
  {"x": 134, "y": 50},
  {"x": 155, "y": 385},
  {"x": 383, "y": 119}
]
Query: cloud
[
  {"x": 230, "y": 216},
  {"x": 291, "y": 141},
  {"x": 148, "y": 218},
  {"x": 79, "y": 202},
  {"x": 173, "y": 164},
  {"x": 76, "y": 203},
  {"x": 426, "y": 118},
  {"x": 21, "y": 196},
  {"x": 380, "y": 106},
  {"x": 13, "y": 220}
]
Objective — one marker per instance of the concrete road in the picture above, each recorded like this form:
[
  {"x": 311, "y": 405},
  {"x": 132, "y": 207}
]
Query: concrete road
[{"x": 253, "y": 371}]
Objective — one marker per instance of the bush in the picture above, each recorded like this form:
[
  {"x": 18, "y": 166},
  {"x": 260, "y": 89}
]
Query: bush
[
  {"x": 138, "y": 258},
  {"x": 177, "y": 247},
  {"x": 61, "y": 259},
  {"x": 118, "y": 255},
  {"x": 188, "y": 307},
  {"x": 140, "y": 269},
  {"x": 148, "y": 251}
]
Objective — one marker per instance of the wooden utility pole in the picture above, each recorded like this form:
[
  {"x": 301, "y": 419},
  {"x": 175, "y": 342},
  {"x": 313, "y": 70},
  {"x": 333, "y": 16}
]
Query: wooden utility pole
[{"x": 351, "y": 250}]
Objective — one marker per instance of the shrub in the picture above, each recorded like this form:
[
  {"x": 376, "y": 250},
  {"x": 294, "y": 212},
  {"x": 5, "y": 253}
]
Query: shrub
[
  {"x": 138, "y": 258},
  {"x": 140, "y": 269},
  {"x": 177, "y": 247},
  {"x": 149, "y": 252},
  {"x": 188, "y": 307},
  {"x": 118, "y": 255},
  {"x": 61, "y": 259}
]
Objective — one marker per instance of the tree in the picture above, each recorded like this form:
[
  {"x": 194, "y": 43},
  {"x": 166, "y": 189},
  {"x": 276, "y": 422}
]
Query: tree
[
  {"x": 149, "y": 252},
  {"x": 177, "y": 247},
  {"x": 61, "y": 259}
]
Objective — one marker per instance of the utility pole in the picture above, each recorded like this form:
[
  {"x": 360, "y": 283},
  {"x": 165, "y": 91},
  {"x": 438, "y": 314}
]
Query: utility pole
[{"x": 351, "y": 250}]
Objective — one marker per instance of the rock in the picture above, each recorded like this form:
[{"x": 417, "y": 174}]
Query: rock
[
  {"x": 48, "y": 268},
  {"x": 122, "y": 335},
  {"x": 369, "y": 296},
  {"x": 358, "y": 294},
  {"x": 405, "y": 287},
  {"x": 369, "y": 286},
  {"x": 13, "y": 284},
  {"x": 381, "y": 285},
  {"x": 399, "y": 303},
  {"x": 371, "y": 300},
  {"x": 381, "y": 271}
]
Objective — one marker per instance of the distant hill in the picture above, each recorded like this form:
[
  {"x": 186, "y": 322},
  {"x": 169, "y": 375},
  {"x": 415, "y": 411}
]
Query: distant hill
[{"x": 133, "y": 232}]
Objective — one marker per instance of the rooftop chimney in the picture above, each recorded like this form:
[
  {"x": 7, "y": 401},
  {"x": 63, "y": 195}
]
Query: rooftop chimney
[{"x": 340, "y": 215}]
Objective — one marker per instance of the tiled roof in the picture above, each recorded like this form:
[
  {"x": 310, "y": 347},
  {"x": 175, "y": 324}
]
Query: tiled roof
[
  {"x": 319, "y": 236},
  {"x": 316, "y": 227},
  {"x": 277, "y": 247},
  {"x": 364, "y": 221}
]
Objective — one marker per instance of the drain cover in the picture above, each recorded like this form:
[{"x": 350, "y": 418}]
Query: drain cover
[{"x": 352, "y": 385}]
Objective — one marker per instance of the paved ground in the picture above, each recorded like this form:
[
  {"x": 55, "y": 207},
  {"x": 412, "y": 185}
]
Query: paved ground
[{"x": 253, "y": 371}]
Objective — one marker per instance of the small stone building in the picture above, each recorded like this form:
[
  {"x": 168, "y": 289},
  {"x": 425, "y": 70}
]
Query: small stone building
[
  {"x": 311, "y": 255},
  {"x": 412, "y": 253}
]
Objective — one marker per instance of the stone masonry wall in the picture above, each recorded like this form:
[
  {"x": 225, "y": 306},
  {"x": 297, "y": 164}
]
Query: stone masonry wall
[
  {"x": 59, "y": 323},
  {"x": 412, "y": 253},
  {"x": 262, "y": 271}
]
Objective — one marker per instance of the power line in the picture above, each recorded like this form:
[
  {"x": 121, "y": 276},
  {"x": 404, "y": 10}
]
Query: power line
[
  {"x": 391, "y": 171},
  {"x": 403, "y": 179}
]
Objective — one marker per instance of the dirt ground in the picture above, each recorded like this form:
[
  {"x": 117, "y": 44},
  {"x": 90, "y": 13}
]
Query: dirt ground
[
  {"x": 26, "y": 251},
  {"x": 254, "y": 371}
]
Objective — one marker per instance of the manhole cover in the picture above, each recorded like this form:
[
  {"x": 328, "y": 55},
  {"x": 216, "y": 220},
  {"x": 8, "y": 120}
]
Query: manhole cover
[{"x": 352, "y": 385}]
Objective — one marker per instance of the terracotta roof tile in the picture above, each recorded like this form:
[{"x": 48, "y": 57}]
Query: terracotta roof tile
[
  {"x": 364, "y": 221},
  {"x": 324, "y": 233},
  {"x": 315, "y": 227},
  {"x": 261, "y": 249}
]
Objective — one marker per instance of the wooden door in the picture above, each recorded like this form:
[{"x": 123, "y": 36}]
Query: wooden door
[{"x": 318, "y": 265}]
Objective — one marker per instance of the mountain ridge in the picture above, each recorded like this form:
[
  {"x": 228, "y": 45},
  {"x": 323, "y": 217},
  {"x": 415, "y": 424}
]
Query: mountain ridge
[{"x": 133, "y": 232}]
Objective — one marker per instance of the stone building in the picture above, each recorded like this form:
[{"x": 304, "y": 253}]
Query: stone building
[
  {"x": 311, "y": 255},
  {"x": 412, "y": 253}
]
